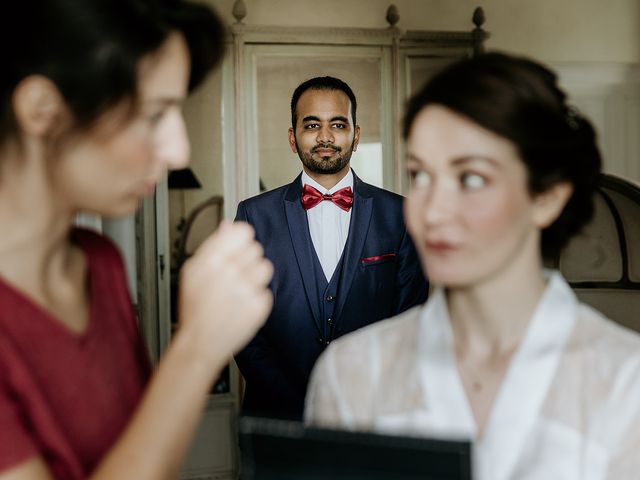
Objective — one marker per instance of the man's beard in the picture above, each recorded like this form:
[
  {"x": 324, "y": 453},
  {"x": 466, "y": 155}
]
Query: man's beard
[{"x": 326, "y": 165}]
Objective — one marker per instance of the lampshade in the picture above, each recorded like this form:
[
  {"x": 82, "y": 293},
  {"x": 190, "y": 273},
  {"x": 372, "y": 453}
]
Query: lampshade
[{"x": 183, "y": 179}]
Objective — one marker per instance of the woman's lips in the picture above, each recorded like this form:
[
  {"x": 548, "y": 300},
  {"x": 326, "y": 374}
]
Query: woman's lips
[{"x": 440, "y": 246}]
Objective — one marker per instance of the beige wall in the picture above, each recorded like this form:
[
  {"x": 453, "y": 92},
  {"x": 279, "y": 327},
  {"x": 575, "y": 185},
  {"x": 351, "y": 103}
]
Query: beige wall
[{"x": 550, "y": 30}]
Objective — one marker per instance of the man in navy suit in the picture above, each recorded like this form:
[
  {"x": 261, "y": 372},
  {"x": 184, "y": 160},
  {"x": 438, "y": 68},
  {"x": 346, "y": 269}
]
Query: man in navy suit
[{"x": 343, "y": 258}]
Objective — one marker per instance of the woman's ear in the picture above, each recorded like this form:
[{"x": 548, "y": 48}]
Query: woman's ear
[
  {"x": 549, "y": 204},
  {"x": 38, "y": 106}
]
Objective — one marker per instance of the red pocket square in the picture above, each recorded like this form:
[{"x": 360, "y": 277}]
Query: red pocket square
[{"x": 377, "y": 258}]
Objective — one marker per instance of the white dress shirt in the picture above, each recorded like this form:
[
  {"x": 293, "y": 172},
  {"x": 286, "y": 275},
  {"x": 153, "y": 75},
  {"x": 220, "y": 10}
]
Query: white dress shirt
[{"x": 328, "y": 225}]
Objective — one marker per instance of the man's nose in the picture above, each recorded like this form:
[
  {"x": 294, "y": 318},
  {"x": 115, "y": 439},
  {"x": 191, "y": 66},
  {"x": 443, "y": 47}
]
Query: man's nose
[{"x": 325, "y": 135}]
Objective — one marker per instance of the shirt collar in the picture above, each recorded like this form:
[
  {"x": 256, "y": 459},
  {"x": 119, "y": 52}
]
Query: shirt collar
[{"x": 347, "y": 181}]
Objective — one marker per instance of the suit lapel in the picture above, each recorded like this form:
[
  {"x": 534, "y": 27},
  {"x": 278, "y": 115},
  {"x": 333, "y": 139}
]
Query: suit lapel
[
  {"x": 358, "y": 229},
  {"x": 302, "y": 244}
]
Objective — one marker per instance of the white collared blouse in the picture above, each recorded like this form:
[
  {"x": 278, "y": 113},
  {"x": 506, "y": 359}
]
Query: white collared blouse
[{"x": 568, "y": 408}]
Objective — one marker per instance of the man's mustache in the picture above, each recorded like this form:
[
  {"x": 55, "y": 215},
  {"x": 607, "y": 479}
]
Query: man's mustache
[{"x": 325, "y": 146}]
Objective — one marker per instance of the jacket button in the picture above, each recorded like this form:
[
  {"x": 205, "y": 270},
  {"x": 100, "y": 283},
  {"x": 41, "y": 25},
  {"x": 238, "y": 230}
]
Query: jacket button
[
  {"x": 330, "y": 298},
  {"x": 320, "y": 340},
  {"x": 330, "y": 321},
  {"x": 328, "y": 342}
]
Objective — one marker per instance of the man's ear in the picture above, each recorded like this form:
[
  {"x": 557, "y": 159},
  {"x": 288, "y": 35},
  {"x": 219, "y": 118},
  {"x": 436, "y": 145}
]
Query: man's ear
[
  {"x": 356, "y": 137},
  {"x": 292, "y": 140},
  {"x": 37, "y": 105},
  {"x": 548, "y": 205}
]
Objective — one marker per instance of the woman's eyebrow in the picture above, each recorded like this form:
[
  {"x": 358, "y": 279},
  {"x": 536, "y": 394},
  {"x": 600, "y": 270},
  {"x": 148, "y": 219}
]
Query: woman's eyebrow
[
  {"x": 472, "y": 158},
  {"x": 412, "y": 159},
  {"x": 459, "y": 161}
]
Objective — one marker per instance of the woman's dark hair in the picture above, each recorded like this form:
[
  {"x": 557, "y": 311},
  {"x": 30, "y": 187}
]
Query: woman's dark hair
[
  {"x": 321, "y": 83},
  {"x": 520, "y": 100},
  {"x": 91, "y": 48}
]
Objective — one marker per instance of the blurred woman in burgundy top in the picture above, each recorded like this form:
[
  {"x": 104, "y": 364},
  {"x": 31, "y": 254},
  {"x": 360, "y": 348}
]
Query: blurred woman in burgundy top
[{"x": 90, "y": 120}]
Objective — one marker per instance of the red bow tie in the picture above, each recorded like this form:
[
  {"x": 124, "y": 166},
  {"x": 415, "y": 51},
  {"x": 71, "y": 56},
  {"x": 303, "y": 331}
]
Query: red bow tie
[{"x": 311, "y": 197}]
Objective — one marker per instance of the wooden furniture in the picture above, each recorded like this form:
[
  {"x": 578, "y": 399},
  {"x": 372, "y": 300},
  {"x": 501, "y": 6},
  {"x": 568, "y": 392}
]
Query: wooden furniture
[{"x": 602, "y": 264}]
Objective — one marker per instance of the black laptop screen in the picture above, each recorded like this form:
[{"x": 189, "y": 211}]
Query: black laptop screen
[{"x": 282, "y": 450}]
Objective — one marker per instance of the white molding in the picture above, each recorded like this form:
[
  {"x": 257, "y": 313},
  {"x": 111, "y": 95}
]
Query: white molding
[
  {"x": 609, "y": 95},
  {"x": 271, "y": 35},
  {"x": 259, "y": 34},
  {"x": 230, "y": 163}
]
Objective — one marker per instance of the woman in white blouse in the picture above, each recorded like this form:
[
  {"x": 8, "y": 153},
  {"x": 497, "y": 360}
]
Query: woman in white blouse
[{"x": 502, "y": 353}]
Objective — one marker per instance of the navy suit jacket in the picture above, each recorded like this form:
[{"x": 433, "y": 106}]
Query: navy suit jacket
[{"x": 277, "y": 363}]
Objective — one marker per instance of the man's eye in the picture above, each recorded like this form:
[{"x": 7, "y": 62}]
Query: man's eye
[
  {"x": 472, "y": 181},
  {"x": 310, "y": 126},
  {"x": 339, "y": 125},
  {"x": 420, "y": 179}
]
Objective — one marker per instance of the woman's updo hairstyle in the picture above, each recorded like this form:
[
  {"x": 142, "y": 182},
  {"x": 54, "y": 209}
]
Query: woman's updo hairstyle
[
  {"x": 91, "y": 48},
  {"x": 520, "y": 100}
]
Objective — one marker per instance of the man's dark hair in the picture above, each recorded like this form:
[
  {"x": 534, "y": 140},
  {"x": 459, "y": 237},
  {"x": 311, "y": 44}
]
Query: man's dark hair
[
  {"x": 321, "y": 83},
  {"x": 520, "y": 100}
]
